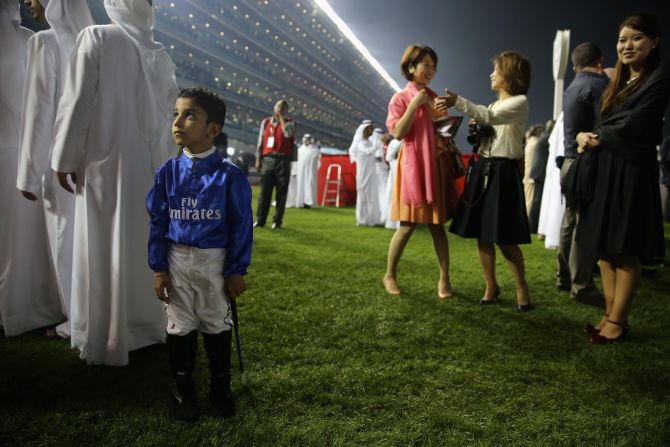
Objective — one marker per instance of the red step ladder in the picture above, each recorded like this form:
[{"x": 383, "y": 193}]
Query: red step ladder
[{"x": 331, "y": 187}]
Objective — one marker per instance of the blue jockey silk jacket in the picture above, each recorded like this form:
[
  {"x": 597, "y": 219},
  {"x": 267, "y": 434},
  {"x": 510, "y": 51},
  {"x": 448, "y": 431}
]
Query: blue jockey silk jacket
[{"x": 204, "y": 203}]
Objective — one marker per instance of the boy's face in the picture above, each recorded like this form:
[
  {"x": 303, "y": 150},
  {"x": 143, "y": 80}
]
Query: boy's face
[{"x": 190, "y": 127}]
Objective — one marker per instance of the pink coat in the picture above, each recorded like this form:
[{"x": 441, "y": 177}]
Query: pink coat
[{"x": 418, "y": 168}]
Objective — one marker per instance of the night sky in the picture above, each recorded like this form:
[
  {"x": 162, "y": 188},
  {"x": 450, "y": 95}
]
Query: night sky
[{"x": 466, "y": 34}]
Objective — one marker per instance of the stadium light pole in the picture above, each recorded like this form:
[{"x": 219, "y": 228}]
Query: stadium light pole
[
  {"x": 561, "y": 50},
  {"x": 344, "y": 29}
]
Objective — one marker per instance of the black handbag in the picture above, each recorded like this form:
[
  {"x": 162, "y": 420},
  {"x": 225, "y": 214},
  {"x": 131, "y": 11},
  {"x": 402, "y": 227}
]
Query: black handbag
[
  {"x": 579, "y": 182},
  {"x": 476, "y": 185}
]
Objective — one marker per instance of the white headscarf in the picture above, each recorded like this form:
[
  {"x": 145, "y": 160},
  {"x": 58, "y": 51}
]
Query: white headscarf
[
  {"x": 376, "y": 136},
  {"x": 156, "y": 101},
  {"x": 10, "y": 20},
  {"x": 358, "y": 137},
  {"x": 14, "y": 53},
  {"x": 67, "y": 18},
  {"x": 10, "y": 10},
  {"x": 136, "y": 17}
]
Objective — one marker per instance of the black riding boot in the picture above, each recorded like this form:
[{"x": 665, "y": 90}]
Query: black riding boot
[
  {"x": 218, "y": 348},
  {"x": 183, "y": 349}
]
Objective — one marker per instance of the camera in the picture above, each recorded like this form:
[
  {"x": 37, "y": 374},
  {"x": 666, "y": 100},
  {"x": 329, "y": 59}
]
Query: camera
[{"x": 479, "y": 132}]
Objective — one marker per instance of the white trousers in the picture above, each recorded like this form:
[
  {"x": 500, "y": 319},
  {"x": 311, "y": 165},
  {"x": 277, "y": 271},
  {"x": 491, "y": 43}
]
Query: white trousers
[{"x": 197, "y": 299}]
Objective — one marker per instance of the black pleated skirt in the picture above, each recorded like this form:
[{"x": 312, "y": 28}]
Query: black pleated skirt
[
  {"x": 493, "y": 207},
  {"x": 624, "y": 216}
]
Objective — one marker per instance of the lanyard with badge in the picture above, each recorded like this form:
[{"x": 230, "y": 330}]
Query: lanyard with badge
[{"x": 270, "y": 143}]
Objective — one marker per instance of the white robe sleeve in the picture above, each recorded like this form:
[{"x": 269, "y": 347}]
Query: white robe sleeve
[
  {"x": 367, "y": 149},
  {"x": 507, "y": 111},
  {"x": 168, "y": 148},
  {"x": 392, "y": 150},
  {"x": 352, "y": 154},
  {"x": 37, "y": 119},
  {"x": 77, "y": 103},
  {"x": 379, "y": 151}
]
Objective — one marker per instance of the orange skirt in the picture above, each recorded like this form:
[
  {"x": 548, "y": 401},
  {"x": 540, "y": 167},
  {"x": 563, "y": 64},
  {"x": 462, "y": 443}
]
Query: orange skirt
[{"x": 446, "y": 197}]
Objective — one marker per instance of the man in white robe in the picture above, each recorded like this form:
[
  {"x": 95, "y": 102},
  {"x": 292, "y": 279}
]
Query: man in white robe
[
  {"x": 28, "y": 291},
  {"x": 309, "y": 158},
  {"x": 292, "y": 191},
  {"x": 552, "y": 209},
  {"x": 48, "y": 53},
  {"x": 352, "y": 149},
  {"x": 379, "y": 139},
  {"x": 367, "y": 189},
  {"x": 392, "y": 159},
  {"x": 112, "y": 132}
]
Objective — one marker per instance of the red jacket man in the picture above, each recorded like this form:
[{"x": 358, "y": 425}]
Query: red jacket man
[{"x": 274, "y": 153}]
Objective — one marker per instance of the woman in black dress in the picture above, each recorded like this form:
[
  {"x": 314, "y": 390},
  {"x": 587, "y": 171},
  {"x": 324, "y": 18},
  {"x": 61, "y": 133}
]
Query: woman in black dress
[
  {"x": 620, "y": 212},
  {"x": 493, "y": 208}
]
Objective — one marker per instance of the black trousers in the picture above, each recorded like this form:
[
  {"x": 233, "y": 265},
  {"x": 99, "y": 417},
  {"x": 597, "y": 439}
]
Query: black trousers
[
  {"x": 534, "y": 217},
  {"x": 276, "y": 173}
]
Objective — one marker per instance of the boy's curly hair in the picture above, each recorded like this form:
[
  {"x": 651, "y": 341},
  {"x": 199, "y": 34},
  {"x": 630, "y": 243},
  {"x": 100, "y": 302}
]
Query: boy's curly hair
[{"x": 213, "y": 105}]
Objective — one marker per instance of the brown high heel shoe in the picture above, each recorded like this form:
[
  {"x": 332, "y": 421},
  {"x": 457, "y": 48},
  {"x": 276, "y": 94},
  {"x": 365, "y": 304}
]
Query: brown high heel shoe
[{"x": 602, "y": 340}]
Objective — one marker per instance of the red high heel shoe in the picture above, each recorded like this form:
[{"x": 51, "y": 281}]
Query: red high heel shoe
[
  {"x": 598, "y": 339},
  {"x": 592, "y": 330}
]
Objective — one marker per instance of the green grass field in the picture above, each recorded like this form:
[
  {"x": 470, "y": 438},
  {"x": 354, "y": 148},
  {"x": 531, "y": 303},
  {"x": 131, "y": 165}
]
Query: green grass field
[{"x": 332, "y": 360}]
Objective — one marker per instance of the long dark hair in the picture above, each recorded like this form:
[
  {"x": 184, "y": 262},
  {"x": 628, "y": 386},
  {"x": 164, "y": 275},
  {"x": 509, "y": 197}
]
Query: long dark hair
[{"x": 620, "y": 88}]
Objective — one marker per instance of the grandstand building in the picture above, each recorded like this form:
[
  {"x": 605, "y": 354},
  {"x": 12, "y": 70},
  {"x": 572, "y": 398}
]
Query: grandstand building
[{"x": 254, "y": 52}]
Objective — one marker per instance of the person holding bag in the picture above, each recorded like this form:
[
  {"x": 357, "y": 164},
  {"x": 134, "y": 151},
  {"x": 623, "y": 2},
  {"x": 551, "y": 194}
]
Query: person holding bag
[
  {"x": 493, "y": 207},
  {"x": 616, "y": 181}
]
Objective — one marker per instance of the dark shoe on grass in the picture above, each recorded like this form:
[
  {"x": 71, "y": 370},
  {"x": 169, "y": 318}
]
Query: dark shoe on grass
[
  {"x": 183, "y": 405},
  {"x": 564, "y": 287},
  {"x": 221, "y": 397},
  {"x": 493, "y": 300},
  {"x": 592, "y": 298},
  {"x": 523, "y": 308}
]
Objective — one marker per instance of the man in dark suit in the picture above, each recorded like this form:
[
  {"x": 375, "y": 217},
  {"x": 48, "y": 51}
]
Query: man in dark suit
[{"x": 581, "y": 101}]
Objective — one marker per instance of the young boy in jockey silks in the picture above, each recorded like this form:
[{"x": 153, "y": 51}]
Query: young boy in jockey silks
[{"x": 199, "y": 248}]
